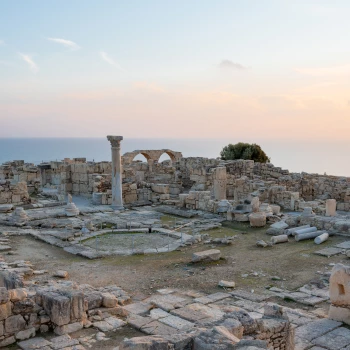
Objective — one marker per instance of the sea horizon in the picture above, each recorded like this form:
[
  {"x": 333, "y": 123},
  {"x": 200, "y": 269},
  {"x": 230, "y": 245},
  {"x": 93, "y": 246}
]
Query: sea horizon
[{"x": 311, "y": 156}]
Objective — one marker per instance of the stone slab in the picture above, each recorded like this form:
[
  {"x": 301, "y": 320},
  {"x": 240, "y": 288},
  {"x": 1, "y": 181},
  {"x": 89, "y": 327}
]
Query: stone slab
[
  {"x": 344, "y": 245},
  {"x": 316, "y": 329},
  {"x": 34, "y": 343},
  {"x": 334, "y": 340},
  {"x": 329, "y": 251},
  {"x": 177, "y": 322},
  {"x": 158, "y": 328}
]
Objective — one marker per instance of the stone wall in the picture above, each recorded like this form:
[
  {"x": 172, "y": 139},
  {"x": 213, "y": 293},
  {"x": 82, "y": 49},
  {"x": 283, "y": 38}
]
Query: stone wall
[
  {"x": 61, "y": 306},
  {"x": 13, "y": 193}
]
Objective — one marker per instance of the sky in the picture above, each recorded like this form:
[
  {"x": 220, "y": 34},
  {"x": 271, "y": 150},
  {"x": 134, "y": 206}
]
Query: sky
[{"x": 273, "y": 69}]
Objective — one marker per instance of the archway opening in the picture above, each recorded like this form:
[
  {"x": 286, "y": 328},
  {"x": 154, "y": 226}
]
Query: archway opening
[
  {"x": 166, "y": 159},
  {"x": 141, "y": 158}
]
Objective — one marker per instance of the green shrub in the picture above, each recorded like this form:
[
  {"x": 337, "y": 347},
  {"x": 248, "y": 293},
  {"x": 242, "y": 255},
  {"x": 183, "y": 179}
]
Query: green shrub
[{"x": 243, "y": 150}]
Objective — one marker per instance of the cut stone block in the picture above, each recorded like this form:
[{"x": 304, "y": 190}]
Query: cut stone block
[
  {"x": 207, "y": 255},
  {"x": 339, "y": 285}
]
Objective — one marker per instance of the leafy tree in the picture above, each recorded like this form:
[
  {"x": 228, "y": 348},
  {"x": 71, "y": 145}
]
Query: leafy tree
[{"x": 243, "y": 150}]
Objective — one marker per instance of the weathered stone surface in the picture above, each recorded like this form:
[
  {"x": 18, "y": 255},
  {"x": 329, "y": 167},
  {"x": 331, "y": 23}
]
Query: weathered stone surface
[
  {"x": 207, "y": 255},
  {"x": 316, "y": 329},
  {"x": 226, "y": 284},
  {"x": 5, "y": 311},
  {"x": 63, "y": 342},
  {"x": 158, "y": 328},
  {"x": 7, "y": 341},
  {"x": 10, "y": 280},
  {"x": 338, "y": 313},
  {"x": 339, "y": 287},
  {"x": 35, "y": 343},
  {"x": 58, "y": 307},
  {"x": 109, "y": 300},
  {"x": 337, "y": 339},
  {"x": 144, "y": 343},
  {"x": 61, "y": 274},
  {"x": 26, "y": 334},
  {"x": 14, "y": 324},
  {"x": 18, "y": 294},
  {"x": 198, "y": 313},
  {"x": 277, "y": 228},
  {"x": 177, "y": 322},
  {"x": 4, "y": 295},
  {"x": 216, "y": 338},
  {"x": 257, "y": 219},
  {"x": 68, "y": 328}
]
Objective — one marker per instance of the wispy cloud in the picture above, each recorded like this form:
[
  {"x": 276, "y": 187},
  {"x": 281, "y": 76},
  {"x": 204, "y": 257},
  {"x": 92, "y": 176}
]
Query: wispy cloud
[
  {"x": 109, "y": 60},
  {"x": 67, "y": 43},
  {"x": 32, "y": 65},
  {"x": 227, "y": 64}
]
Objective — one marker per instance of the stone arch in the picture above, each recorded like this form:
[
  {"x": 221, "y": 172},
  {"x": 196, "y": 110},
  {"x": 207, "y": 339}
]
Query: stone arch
[
  {"x": 169, "y": 153},
  {"x": 145, "y": 155}
]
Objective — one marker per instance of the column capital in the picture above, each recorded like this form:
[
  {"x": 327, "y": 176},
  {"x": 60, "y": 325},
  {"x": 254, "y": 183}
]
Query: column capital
[{"x": 114, "y": 140}]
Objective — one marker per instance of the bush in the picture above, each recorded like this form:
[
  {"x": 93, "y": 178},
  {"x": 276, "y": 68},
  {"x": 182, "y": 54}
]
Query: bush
[{"x": 244, "y": 151}]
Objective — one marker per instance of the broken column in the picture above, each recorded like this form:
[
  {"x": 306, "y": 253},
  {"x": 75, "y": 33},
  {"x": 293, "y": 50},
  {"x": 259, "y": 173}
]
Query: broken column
[
  {"x": 331, "y": 207},
  {"x": 117, "y": 198},
  {"x": 339, "y": 293},
  {"x": 219, "y": 183}
]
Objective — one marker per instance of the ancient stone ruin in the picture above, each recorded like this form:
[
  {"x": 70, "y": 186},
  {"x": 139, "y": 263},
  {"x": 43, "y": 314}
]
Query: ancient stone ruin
[{"x": 198, "y": 210}]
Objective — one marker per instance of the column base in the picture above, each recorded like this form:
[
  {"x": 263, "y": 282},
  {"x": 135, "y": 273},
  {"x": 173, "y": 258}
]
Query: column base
[{"x": 117, "y": 207}]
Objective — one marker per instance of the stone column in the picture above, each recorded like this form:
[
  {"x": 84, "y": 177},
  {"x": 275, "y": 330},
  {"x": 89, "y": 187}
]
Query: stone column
[
  {"x": 331, "y": 207},
  {"x": 219, "y": 183},
  {"x": 117, "y": 197}
]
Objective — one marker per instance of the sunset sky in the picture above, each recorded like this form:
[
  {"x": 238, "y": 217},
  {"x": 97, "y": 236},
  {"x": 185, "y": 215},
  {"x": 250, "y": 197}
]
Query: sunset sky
[{"x": 187, "y": 68}]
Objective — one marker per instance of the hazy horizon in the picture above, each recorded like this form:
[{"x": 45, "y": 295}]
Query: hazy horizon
[{"x": 312, "y": 157}]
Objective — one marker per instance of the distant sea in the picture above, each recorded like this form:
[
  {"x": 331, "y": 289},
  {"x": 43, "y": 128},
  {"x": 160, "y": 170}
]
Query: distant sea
[{"x": 297, "y": 156}]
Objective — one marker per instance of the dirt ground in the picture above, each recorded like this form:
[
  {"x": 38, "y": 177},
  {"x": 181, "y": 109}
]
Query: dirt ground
[{"x": 294, "y": 263}]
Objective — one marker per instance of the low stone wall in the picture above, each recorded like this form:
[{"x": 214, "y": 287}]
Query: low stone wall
[
  {"x": 62, "y": 306},
  {"x": 13, "y": 193}
]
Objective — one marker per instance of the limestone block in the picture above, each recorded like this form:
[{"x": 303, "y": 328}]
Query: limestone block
[
  {"x": 18, "y": 294},
  {"x": 109, "y": 300},
  {"x": 207, "y": 255},
  {"x": 257, "y": 219},
  {"x": 14, "y": 324},
  {"x": 26, "y": 334},
  {"x": 143, "y": 343},
  {"x": 339, "y": 285},
  {"x": 2, "y": 331},
  {"x": 255, "y": 203},
  {"x": 160, "y": 188},
  {"x": 277, "y": 228},
  {"x": 338, "y": 313},
  {"x": 58, "y": 307},
  {"x": 5, "y": 311},
  {"x": 331, "y": 207},
  {"x": 68, "y": 328},
  {"x": 7, "y": 341},
  {"x": 276, "y": 209},
  {"x": 60, "y": 274},
  {"x": 77, "y": 312},
  {"x": 4, "y": 295}
]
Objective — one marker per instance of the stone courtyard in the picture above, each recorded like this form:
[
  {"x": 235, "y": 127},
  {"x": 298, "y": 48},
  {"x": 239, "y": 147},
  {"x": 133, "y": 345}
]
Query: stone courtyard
[{"x": 188, "y": 253}]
